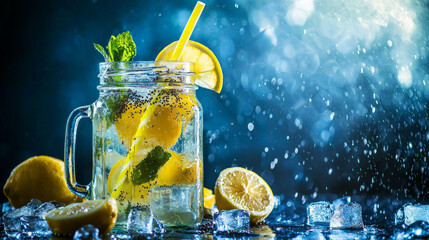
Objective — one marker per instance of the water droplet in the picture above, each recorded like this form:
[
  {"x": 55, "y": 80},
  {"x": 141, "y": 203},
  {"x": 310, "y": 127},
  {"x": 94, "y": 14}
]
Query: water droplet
[
  {"x": 250, "y": 126},
  {"x": 389, "y": 43}
]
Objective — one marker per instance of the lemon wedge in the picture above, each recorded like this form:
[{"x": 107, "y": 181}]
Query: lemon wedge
[
  {"x": 100, "y": 213},
  {"x": 208, "y": 73},
  {"x": 239, "y": 188},
  {"x": 209, "y": 198}
]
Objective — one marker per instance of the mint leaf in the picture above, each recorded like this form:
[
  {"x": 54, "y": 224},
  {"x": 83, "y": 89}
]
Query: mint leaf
[
  {"x": 101, "y": 50},
  {"x": 117, "y": 104},
  {"x": 128, "y": 209},
  {"x": 148, "y": 168},
  {"x": 121, "y": 48}
]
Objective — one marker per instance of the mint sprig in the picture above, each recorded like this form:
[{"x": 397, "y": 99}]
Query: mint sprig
[
  {"x": 148, "y": 168},
  {"x": 121, "y": 48}
]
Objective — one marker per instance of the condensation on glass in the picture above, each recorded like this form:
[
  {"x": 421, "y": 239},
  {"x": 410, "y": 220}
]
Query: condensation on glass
[{"x": 147, "y": 141}]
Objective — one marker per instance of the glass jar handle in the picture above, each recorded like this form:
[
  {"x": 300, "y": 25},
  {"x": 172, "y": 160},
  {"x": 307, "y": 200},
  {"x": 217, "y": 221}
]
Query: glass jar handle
[{"x": 69, "y": 151}]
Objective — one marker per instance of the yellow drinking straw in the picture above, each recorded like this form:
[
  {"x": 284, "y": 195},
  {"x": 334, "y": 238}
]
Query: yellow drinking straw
[
  {"x": 178, "y": 50},
  {"x": 186, "y": 34}
]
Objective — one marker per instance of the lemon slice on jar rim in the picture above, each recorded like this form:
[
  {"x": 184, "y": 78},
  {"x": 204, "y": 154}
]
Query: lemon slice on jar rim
[{"x": 208, "y": 73}]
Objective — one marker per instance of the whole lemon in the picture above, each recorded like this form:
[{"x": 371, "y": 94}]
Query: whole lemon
[{"x": 40, "y": 177}]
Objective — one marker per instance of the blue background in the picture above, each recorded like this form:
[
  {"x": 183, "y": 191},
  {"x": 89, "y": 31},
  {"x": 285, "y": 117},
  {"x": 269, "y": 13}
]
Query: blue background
[{"x": 318, "y": 97}]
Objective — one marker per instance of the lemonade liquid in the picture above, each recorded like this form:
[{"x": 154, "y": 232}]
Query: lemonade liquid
[{"x": 148, "y": 143}]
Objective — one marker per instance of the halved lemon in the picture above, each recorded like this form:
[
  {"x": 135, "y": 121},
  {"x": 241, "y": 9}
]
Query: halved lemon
[
  {"x": 100, "y": 213},
  {"x": 239, "y": 188},
  {"x": 208, "y": 73}
]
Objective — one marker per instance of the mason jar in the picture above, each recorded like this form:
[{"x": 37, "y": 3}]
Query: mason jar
[{"x": 147, "y": 141}]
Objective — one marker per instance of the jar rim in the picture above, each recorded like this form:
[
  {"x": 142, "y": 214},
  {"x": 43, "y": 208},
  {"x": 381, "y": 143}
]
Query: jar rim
[
  {"x": 145, "y": 72},
  {"x": 142, "y": 62}
]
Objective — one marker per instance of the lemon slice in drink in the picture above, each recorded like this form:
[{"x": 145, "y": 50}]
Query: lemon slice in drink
[
  {"x": 176, "y": 170},
  {"x": 170, "y": 173},
  {"x": 161, "y": 123},
  {"x": 209, "y": 198},
  {"x": 114, "y": 173},
  {"x": 239, "y": 188},
  {"x": 206, "y": 66},
  {"x": 100, "y": 213},
  {"x": 127, "y": 123}
]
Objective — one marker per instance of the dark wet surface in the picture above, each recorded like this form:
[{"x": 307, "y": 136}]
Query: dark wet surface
[{"x": 288, "y": 221}]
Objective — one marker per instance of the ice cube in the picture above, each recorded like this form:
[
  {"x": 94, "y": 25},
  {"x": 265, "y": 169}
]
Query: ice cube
[
  {"x": 232, "y": 220},
  {"x": 44, "y": 208},
  {"x": 87, "y": 232},
  {"x": 178, "y": 204},
  {"x": 20, "y": 212},
  {"x": 419, "y": 229},
  {"x": 11, "y": 222},
  {"x": 34, "y": 226},
  {"x": 140, "y": 221},
  {"x": 409, "y": 213},
  {"x": 347, "y": 216},
  {"x": 6, "y": 207},
  {"x": 344, "y": 200},
  {"x": 29, "y": 219},
  {"x": 345, "y": 235},
  {"x": 158, "y": 227},
  {"x": 311, "y": 235},
  {"x": 11, "y": 219},
  {"x": 319, "y": 213},
  {"x": 34, "y": 203}
]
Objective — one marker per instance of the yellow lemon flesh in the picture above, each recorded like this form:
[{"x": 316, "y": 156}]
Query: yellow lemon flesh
[
  {"x": 172, "y": 171},
  {"x": 163, "y": 119},
  {"x": 114, "y": 173},
  {"x": 40, "y": 177},
  {"x": 100, "y": 213},
  {"x": 208, "y": 73},
  {"x": 209, "y": 198},
  {"x": 128, "y": 122},
  {"x": 239, "y": 188},
  {"x": 177, "y": 170},
  {"x": 160, "y": 125}
]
